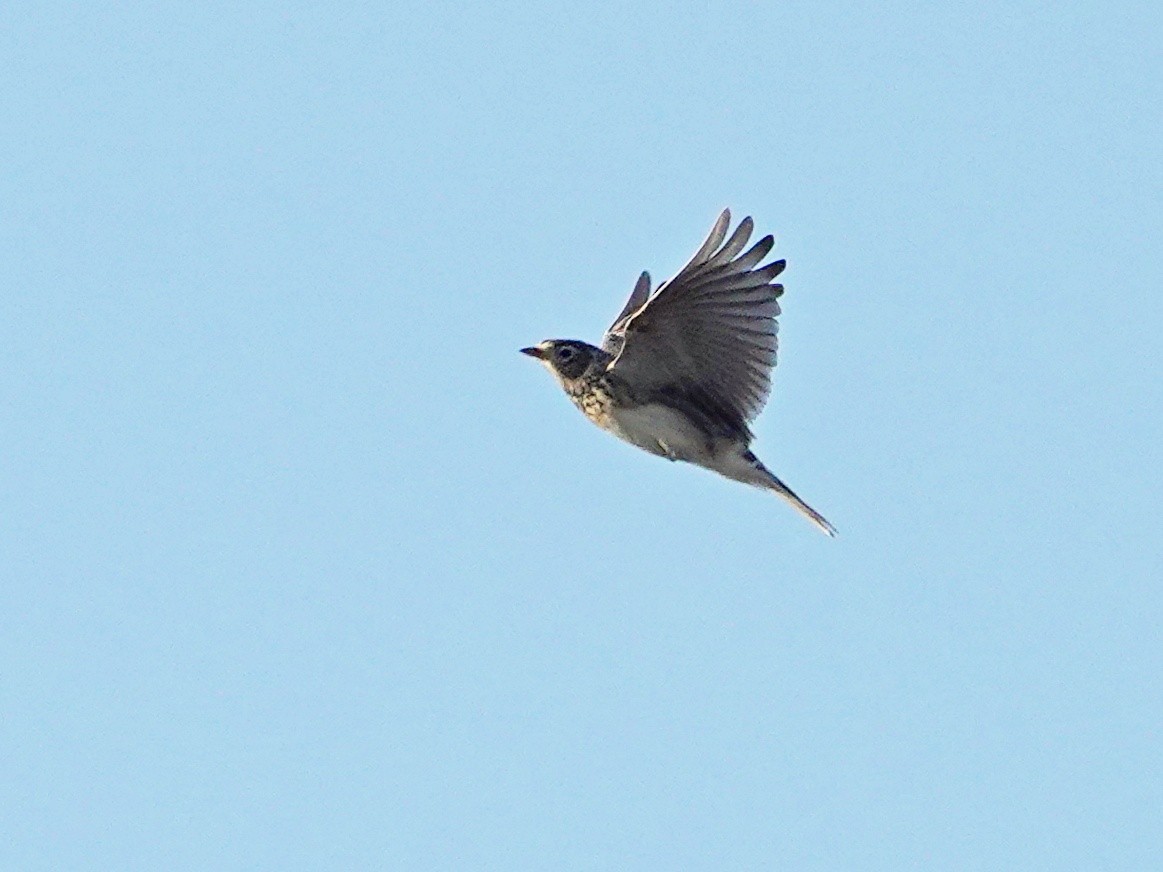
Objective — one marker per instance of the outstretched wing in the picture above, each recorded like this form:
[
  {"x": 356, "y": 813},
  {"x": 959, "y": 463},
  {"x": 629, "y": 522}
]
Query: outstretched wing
[
  {"x": 612, "y": 341},
  {"x": 709, "y": 332}
]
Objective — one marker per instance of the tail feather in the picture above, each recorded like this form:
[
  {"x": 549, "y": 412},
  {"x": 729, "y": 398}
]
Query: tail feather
[
  {"x": 757, "y": 474},
  {"x": 811, "y": 514}
]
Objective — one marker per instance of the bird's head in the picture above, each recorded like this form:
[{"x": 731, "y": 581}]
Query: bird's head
[{"x": 565, "y": 358}]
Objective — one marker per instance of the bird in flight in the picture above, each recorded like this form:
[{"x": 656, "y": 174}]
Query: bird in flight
[{"x": 682, "y": 371}]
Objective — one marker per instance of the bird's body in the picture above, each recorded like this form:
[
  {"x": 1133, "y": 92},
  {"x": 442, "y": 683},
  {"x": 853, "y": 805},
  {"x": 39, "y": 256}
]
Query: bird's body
[{"x": 682, "y": 371}]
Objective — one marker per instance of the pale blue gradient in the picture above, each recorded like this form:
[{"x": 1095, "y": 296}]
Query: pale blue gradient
[{"x": 305, "y": 567}]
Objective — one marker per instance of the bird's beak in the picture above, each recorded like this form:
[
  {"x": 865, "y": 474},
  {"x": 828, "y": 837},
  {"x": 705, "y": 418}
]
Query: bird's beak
[{"x": 534, "y": 351}]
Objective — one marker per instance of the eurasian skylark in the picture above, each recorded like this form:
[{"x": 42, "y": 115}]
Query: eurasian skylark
[{"x": 682, "y": 371}]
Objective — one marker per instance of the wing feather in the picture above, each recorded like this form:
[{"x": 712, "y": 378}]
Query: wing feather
[
  {"x": 713, "y": 241},
  {"x": 612, "y": 342},
  {"x": 710, "y": 332}
]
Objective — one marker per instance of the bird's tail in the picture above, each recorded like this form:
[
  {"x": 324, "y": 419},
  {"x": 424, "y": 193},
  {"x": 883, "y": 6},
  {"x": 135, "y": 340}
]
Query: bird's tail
[{"x": 750, "y": 470}]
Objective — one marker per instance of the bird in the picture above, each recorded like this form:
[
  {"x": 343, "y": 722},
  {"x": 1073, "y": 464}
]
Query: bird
[{"x": 683, "y": 370}]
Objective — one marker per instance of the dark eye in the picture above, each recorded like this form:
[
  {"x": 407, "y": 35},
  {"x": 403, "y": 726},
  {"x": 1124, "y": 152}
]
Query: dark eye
[{"x": 565, "y": 353}]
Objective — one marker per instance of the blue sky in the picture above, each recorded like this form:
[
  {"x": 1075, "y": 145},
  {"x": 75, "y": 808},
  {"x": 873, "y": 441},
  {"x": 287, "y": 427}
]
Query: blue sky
[{"x": 306, "y": 568}]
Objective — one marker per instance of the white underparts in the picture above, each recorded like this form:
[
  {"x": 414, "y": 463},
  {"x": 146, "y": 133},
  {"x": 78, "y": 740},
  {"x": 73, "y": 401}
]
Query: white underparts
[{"x": 661, "y": 430}]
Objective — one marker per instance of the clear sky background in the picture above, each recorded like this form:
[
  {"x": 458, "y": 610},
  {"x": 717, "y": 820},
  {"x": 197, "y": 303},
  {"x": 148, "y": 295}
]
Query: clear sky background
[{"x": 305, "y": 567}]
